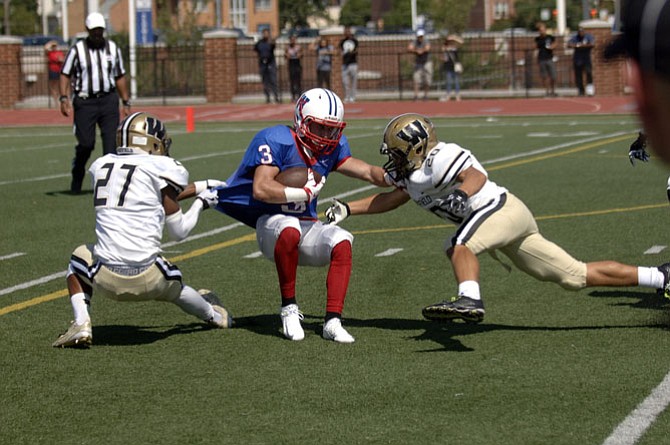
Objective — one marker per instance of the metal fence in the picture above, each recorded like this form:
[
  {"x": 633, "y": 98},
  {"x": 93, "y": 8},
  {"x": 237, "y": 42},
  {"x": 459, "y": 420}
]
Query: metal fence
[{"x": 385, "y": 66}]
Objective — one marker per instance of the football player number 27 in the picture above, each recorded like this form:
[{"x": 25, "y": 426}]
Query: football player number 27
[{"x": 101, "y": 185}]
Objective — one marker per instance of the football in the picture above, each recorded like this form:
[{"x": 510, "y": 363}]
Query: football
[{"x": 295, "y": 177}]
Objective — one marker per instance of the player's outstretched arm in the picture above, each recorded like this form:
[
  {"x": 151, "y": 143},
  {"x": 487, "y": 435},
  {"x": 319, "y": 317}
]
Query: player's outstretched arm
[
  {"x": 379, "y": 203},
  {"x": 198, "y": 187},
  {"x": 180, "y": 224},
  {"x": 356, "y": 168}
]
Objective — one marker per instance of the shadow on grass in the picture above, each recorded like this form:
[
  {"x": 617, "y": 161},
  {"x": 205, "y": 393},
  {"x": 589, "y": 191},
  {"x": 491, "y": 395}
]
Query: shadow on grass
[
  {"x": 126, "y": 335},
  {"x": 67, "y": 192},
  {"x": 646, "y": 300}
]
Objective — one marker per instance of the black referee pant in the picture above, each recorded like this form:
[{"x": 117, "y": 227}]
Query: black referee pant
[{"x": 102, "y": 111}]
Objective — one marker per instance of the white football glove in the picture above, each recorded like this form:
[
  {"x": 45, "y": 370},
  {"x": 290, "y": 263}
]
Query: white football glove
[
  {"x": 337, "y": 212},
  {"x": 209, "y": 198},
  {"x": 312, "y": 188},
  {"x": 201, "y": 186}
]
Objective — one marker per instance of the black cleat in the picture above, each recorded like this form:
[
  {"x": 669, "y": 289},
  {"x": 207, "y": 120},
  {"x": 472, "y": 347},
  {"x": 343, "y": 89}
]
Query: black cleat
[
  {"x": 665, "y": 270},
  {"x": 464, "y": 308}
]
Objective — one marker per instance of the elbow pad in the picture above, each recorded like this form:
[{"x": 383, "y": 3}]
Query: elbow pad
[{"x": 180, "y": 224}]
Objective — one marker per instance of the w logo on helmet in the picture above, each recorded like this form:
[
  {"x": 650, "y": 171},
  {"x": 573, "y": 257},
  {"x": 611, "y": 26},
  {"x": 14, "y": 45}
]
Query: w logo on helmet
[
  {"x": 414, "y": 133},
  {"x": 155, "y": 127}
]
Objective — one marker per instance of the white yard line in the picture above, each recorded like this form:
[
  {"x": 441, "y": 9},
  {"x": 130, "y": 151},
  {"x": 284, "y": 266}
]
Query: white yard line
[
  {"x": 11, "y": 255},
  {"x": 638, "y": 422}
]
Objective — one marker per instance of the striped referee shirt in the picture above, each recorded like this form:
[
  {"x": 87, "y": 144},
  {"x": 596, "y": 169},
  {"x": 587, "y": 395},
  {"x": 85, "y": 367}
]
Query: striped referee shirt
[{"x": 95, "y": 70}]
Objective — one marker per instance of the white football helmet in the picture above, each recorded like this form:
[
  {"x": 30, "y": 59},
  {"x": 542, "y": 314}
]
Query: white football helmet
[
  {"x": 143, "y": 132},
  {"x": 407, "y": 140},
  {"x": 319, "y": 120}
]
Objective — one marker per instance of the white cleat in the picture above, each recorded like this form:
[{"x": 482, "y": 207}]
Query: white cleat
[
  {"x": 333, "y": 330},
  {"x": 77, "y": 336},
  {"x": 290, "y": 320},
  {"x": 213, "y": 299}
]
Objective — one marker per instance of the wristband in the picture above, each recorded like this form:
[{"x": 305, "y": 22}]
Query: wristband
[
  {"x": 200, "y": 186},
  {"x": 295, "y": 194},
  {"x": 62, "y": 99}
]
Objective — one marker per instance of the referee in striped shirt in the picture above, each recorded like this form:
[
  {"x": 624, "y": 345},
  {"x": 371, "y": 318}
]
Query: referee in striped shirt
[{"x": 94, "y": 76}]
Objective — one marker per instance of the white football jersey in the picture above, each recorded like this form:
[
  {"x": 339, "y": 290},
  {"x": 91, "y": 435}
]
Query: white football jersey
[
  {"x": 129, "y": 214},
  {"x": 437, "y": 177}
]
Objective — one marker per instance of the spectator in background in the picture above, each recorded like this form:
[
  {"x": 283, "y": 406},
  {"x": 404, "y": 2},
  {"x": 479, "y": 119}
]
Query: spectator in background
[
  {"x": 423, "y": 66},
  {"x": 581, "y": 60},
  {"x": 265, "y": 49},
  {"x": 545, "y": 44},
  {"x": 94, "y": 71},
  {"x": 452, "y": 67},
  {"x": 324, "y": 62},
  {"x": 349, "y": 48},
  {"x": 293, "y": 54},
  {"x": 55, "y": 59}
]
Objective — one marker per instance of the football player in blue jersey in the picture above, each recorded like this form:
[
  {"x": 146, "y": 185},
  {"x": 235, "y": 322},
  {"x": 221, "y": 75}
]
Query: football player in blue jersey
[{"x": 284, "y": 214}]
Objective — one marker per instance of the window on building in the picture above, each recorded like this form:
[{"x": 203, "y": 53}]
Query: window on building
[
  {"x": 262, "y": 5},
  {"x": 501, "y": 10},
  {"x": 238, "y": 13}
]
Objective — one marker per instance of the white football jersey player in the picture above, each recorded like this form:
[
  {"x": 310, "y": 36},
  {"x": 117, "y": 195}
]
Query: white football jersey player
[
  {"x": 128, "y": 204},
  {"x": 438, "y": 175}
]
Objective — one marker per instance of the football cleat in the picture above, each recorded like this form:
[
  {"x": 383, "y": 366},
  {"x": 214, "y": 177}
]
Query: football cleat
[
  {"x": 211, "y": 298},
  {"x": 465, "y": 308},
  {"x": 290, "y": 320},
  {"x": 77, "y": 336},
  {"x": 333, "y": 330},
  {"x": 665, "y": 270}
]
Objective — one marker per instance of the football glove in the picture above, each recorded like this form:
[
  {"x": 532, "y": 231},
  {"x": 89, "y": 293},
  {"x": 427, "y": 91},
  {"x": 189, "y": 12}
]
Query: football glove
[
  {"x": 201, "y": 186},
  {"x": 637, "y": 149},
  {"x": 455, "y": 204},
  {"x": 337, "y": 212},
  {"x": 312, "y": 188},
  {"x": 209, "y": 198}
]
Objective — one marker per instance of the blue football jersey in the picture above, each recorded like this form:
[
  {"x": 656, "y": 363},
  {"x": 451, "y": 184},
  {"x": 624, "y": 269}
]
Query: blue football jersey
[{"x": 273, "y": 146}]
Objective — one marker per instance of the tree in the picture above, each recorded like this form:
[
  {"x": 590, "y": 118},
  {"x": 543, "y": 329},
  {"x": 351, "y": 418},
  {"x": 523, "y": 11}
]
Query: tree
[
  {"x": 451, "y": 15},
  {"x": 294, "y": 13},
  {"x": 356, "y": 13},
  {"x": 23, "y": 19},
  {"x": 528, "y": 13}
]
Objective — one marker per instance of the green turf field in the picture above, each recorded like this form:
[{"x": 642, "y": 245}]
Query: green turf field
[{"x": 546, "y": 366}]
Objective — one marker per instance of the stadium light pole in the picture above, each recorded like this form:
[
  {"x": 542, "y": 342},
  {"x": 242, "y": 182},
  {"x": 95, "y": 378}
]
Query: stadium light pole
[
  {"x": 413, "y": 8},
  {"x": 132, "y": 44},
  {"x": 560, "y": 19}
]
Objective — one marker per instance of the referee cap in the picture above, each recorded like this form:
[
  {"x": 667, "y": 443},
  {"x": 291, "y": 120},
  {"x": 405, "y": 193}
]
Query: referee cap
[
  {"x": 644, "y": 35},
  {"x": 95, "y": 20}
]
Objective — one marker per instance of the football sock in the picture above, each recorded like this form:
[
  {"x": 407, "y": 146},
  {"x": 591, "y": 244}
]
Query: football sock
[
  {"x": 286, "y": 261},
  {"x": 80, "y": 304},
  {"x": 469, "y": 289},
  {"x": 191, "y": 302},
  {"x": 330, "y": 315},
  {"x": 286, "y": 301},
  {"x": 650, "y": 277},
  {"x": 337, "y": 280}
]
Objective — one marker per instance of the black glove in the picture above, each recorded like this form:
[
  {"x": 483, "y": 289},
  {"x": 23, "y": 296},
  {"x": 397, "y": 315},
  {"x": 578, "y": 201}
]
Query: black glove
[
  {"x": 456, "y": 203},
  {"x": 637, "y": 149}
]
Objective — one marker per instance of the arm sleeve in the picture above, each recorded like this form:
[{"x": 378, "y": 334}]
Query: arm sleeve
[{"x": 180, "y": 224}]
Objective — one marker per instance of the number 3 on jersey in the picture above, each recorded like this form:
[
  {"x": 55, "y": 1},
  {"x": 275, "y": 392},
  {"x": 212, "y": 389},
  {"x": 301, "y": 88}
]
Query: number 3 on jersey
[{"x": 102, "y": 191}]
